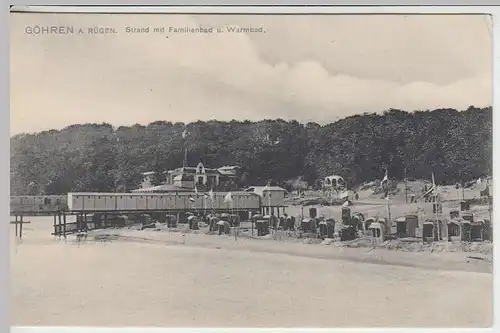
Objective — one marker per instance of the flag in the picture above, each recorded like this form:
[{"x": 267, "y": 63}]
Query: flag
[
  {"x": 386, "y": 178},
  {"x": 191, "y": 198},
  {"x": 184, "y": 133},
  {"x": 211, "y": 194},
  {"x": 228, "y": 197},
  {"x": 385, "y": 184},
  {"x": 433, "y": 187}
]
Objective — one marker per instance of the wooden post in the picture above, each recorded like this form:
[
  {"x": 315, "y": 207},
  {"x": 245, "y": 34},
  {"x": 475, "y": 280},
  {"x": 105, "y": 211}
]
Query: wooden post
[
  {"x": 60, "y": 224},
  {"x": 406, "y": 187},
  {"x": 55, "y": 225},
  {"x": 64, "y": 227},
  {"x": 16, "y": 225},
  {"x": 21, "y": 228}
]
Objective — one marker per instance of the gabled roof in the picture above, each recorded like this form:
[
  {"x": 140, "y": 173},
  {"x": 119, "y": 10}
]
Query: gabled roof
[
  {"x": 162, "y": 188},
  {"x": 261, "y": 189},
  {"x": 183, "y": 177},
  {"x": 191, "y": 170},
  {"x": 266, "y": 188}
]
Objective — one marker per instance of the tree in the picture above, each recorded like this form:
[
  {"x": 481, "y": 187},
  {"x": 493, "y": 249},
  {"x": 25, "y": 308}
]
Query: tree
[{"x": 456, "y": 146}]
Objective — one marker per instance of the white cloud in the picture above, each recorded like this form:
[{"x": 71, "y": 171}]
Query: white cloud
[{"x": 125, "y": 79}]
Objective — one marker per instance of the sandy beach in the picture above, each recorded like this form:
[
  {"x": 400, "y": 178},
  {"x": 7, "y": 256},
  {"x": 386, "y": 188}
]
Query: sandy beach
[{"x": 161, "y": 278}]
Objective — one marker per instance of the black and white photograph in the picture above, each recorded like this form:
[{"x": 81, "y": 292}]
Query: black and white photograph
[{"x": 244, "y": 170}]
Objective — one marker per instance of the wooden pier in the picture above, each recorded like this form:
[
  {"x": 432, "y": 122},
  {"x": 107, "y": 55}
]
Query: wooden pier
[{"x": 19, "y": 221}]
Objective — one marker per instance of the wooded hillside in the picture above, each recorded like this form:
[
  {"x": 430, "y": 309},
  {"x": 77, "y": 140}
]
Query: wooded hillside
[{"x": 456, "y": 146}]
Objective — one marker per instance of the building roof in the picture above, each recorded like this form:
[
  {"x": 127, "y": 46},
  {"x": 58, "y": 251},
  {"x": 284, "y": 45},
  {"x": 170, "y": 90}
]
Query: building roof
[
  {"x": 261, "y": 189},
  {"x": 184, "y": 177},
  {"x": 227, "y": 167},
  {"x": 163, "y": 188},
  {"x": 266, "y": 188},
  {"x": 191, "y": 170},
  {"x": 229, "y": 170}
]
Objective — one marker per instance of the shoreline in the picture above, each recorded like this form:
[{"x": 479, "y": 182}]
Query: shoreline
[
  {"x": 307, "y": 248},
  {"x": 177, "y": 279}
]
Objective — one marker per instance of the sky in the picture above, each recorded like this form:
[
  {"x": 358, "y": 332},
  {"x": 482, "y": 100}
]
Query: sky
[{"x": 308, "y": 68}]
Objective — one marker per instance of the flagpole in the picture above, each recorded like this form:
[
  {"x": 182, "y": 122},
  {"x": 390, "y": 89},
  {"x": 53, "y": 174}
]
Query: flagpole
[
  {"x": 435, "y": 208},
  {"x": 389, "y": 209},
  {"x": 463, "y": 191},
  {"x": 204, "y": 204},
  {"x": 406, "y": 188},
  {"x": 386, "y": 179},
  {"x": 184, "y": 134}
]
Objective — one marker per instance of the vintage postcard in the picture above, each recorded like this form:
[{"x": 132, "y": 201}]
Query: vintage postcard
[{"x": 239, "y": 170}]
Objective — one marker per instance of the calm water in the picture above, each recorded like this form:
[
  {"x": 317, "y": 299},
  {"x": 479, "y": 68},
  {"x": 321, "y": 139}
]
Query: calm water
[{"x": 154, "y": 284}]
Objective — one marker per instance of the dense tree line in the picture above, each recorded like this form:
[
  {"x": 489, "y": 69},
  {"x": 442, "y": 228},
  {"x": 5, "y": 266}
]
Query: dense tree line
[{"x": 456, "y": 146}]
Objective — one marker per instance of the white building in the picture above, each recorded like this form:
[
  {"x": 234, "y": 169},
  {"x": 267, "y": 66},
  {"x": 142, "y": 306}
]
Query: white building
[{"x": 334, "y": 182}]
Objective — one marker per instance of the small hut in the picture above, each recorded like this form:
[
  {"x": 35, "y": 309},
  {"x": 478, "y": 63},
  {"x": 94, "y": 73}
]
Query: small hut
[
  {"x": 171, "y": 221},
  {"x": 455, "y": 230},
  {"x": 400, "y": 226},
  {"x": 323, "y": 229},
  {"x": 429, "y": 233},
  {"x": 378, "y": 231},
  {"x": 224, "y": 227},
  {"x": 465, "y": 230},
  {"x": 477, "y": 231},
  {"x": 213, "y": 223},
  {"x": 234, "y": 220},
  {"x": 454, "y": 214},
  {"x": 357, "y": 220},
  {"x": 272, "y": 220},
  {"x": 467, "y": 216},
  {"x": 386, "y": 225},
  {"x": 308, "y": 225},
  {"x": 346, "y": 215},
  {"x": 406, "y": 226},
  {"x": 262, "y": 226},
  {"x": 488, "y": 231},
  {"x": 368, "y": 222},
  {"x": 290, "y": 223},
  {"x": 193, "y": 222},
  {"x": 330, "y": 227},
  {"x": 434, "y": 230}
]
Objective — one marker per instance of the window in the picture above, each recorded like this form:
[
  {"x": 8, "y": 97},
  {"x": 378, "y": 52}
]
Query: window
[
  {"x": 46, "y": 201},
  {"x": 200, "y": 180}
]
